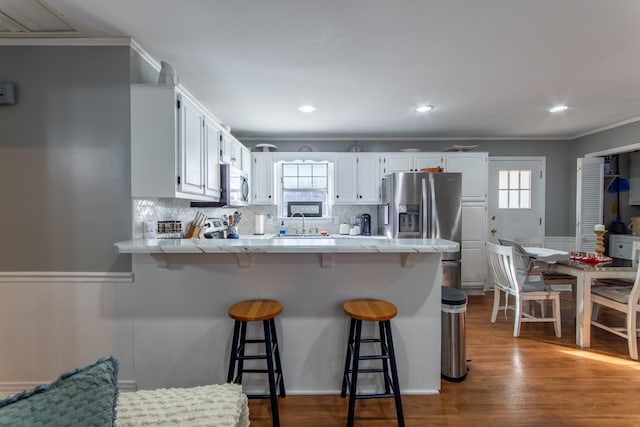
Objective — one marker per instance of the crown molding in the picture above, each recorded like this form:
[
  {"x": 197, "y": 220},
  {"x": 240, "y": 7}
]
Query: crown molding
[
  {"x": 613, "y": 126},
  {"x": 64, "y": 41}
]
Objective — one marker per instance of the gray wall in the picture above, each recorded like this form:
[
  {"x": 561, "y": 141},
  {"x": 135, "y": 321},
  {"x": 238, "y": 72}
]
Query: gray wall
[
  {"x": 65, "y": 159},
  {"x": 560, "y": 165}
]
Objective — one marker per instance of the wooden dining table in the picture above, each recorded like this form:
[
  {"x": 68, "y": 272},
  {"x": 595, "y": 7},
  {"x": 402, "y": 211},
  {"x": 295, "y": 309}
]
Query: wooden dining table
[{"x": 585, "y": 275}]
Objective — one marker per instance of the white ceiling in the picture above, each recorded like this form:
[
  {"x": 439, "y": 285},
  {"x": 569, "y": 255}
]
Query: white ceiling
[{"x": 490, "y": 68}]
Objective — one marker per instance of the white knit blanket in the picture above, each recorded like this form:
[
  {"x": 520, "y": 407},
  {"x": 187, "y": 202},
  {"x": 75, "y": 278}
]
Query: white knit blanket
[{"x": 211, "y": 405}]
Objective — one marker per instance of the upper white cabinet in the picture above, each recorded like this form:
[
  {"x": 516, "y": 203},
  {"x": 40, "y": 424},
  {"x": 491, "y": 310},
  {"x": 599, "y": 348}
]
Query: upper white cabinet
[
  {"x": 170, "y": 142},
  {"x": 245, "y": 159},
  {"x": 212, "y": 159},
  {"x": 357, "y": 178},
  {"x": 262, "y": 179},
  {"x": 410, "y": 162},
  {"x": 232, "y": 152},
  {"x": 475, "y": 173},
  {"x": 191, "y": 128}
]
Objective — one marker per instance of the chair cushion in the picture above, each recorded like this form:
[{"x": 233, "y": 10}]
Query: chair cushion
[
  {"x": 83, "y": 397},
  {"x": 616, "y": 293}
]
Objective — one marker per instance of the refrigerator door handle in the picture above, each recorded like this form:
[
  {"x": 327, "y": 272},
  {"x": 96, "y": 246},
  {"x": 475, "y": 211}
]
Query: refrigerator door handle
[{"x": 424, "y": 210}]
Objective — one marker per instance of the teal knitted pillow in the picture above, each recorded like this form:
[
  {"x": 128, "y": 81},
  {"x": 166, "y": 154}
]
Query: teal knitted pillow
[{"x": 83, "y": 397}]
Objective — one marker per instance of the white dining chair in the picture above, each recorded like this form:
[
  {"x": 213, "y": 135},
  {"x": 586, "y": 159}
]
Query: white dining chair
[
  {"x": 625, "y": 300},
  {"x": 635, "y": 256},
  {"x": 507, "y": 280}
]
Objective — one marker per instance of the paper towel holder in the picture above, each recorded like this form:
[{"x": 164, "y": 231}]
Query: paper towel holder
[{"x": 259, "y": 228}]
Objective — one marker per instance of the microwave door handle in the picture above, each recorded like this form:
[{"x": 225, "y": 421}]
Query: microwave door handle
[{"x": 245, "y": 190}]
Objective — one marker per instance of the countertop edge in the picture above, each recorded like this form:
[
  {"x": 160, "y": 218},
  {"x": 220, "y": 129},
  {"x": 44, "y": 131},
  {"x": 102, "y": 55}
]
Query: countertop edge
[{"x": 275, "y": 245}]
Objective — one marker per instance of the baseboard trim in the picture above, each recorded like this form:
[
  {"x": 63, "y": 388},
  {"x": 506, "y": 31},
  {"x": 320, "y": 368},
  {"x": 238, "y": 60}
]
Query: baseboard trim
[{"x": 65, "y": 276}]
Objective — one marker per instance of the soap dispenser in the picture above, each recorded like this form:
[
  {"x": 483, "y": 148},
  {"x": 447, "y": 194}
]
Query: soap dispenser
[{"x": 283, "y": 229}]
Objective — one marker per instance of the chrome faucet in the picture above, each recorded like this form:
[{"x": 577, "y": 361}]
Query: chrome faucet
[{"x": 301, "y": 214}]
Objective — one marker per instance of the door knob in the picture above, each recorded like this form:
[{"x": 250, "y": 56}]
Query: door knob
[{"x": 493, "y": 231}]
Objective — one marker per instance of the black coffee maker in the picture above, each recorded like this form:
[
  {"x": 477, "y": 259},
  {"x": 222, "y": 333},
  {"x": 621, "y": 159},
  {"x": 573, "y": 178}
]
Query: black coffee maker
[{"x": 366, "y": 225}]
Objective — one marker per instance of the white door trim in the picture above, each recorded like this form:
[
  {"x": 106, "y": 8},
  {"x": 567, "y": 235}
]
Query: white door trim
[{"x": 543, "y": 184}]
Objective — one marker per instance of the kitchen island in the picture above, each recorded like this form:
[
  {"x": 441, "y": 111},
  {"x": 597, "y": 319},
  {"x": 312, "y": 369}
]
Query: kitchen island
[{"x": 183, "y": 288}]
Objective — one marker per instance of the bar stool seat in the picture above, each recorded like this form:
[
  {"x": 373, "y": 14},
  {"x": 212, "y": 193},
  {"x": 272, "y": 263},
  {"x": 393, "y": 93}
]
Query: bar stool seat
[
  {"x": 370, "y": 310},
  {"x": 254, "y": 311}
]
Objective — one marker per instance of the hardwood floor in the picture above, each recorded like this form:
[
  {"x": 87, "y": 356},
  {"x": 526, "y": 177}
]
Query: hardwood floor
[{"x": 532, "y": 380}]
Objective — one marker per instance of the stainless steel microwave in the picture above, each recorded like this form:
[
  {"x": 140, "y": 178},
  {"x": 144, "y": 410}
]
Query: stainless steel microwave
[{"x": 235, "y": 186}]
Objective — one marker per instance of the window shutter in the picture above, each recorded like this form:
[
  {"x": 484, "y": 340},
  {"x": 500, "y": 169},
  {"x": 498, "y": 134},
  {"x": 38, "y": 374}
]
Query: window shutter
[{"x": 589, "y": 196}]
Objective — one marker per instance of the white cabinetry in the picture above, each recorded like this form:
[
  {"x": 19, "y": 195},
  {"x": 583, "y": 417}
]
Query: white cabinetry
[
  {"x": 473, "y": 251},
  {"x": 232, "y": 152},
  {"x": 357, "y": 178},
  {"x": 475, "y": 173},
  {"x": 212, "y": 159},
  {"x": 621, "y": 245},
  {"x": 245, "y": 156},
  {"x": 410, "y": 162},
  {"x": 262, "y": 179},
  {"x": 634, "y": 179},
  {"x": 169, "y": 146}
]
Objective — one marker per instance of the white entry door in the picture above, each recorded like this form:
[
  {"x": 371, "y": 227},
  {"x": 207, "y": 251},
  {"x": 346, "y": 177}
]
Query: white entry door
[{"x": 516, "y": 198}]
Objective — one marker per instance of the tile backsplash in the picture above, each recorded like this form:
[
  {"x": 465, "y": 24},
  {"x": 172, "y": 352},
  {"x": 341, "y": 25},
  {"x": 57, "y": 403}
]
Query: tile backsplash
[{"x": 160, "y": 209}]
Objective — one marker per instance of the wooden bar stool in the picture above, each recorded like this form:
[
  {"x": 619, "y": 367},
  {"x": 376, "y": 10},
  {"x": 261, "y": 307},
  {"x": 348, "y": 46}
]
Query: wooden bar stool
[
  {"x": 370, "y": 310},
  {"x": 253, "y": 311}
]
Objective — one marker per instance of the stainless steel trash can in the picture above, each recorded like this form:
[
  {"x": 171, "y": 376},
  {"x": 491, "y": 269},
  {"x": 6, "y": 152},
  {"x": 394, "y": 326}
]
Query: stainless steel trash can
[{"x": 453, "y": 343}]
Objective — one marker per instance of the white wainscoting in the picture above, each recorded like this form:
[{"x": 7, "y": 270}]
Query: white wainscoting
[
  {"x": 53, "y": 322},
  {"x": 561, "y": 243}
]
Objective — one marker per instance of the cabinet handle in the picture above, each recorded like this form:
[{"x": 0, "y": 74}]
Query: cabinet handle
[
  {"x": 269, "y": 195},
  {"x": 337, "y": 197},
  {"x": 620, "y": 246},
  {"x": 360, "y": 197}
]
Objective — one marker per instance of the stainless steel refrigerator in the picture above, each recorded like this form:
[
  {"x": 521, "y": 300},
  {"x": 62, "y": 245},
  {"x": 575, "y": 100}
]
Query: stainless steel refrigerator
[{"x": 424, "y": 205}]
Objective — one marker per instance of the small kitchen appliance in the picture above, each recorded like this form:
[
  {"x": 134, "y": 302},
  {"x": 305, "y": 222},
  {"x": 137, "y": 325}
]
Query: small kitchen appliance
[{"x": 366, "y": 225}]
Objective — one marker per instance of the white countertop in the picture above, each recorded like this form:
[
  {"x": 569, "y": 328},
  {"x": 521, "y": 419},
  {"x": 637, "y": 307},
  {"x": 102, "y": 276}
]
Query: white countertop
[{"x": 270, "y": 244}]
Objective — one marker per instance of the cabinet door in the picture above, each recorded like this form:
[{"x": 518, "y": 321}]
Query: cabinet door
[
  {"x": 212, "y": 159},
  {"x": 345, "y": 178},
  {"x": 262, "y": 179},
  {"x": 191, "y": 130},
  {"x": 226, "y": 144},
  {"x": 427, "y": 160},
  {"x": 245, "y": 159},
  {"x": 397, "y": 162},
  {"x": 475, "y": 173},
  {"x": 369, "y": 179},
  {"x": 236, "y": 154},
  {"x": 473, "y": 251}
]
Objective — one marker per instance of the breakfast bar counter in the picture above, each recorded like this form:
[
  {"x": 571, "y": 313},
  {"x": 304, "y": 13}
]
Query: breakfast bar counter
[{"x": 183, "y": 288}]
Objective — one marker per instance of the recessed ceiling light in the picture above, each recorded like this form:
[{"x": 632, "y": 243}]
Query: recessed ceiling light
[
  {"x": 307, "y": 108},
  {"x": 424, "y": 108},
  {"x": 558, "y": 108}
]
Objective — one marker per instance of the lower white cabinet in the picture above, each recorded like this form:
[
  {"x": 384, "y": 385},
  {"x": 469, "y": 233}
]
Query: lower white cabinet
[
  {"x": 621, "y": 245},
  {"x": 473, "y": 251}
]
